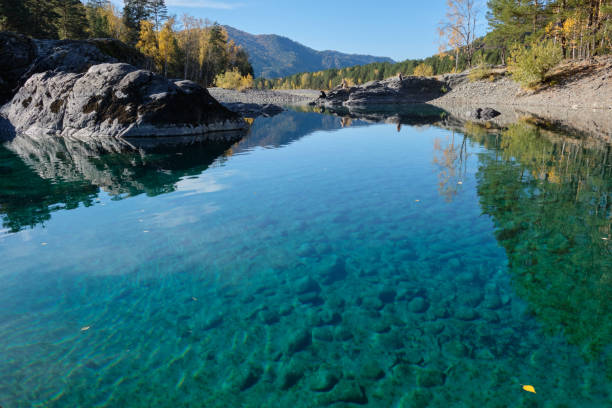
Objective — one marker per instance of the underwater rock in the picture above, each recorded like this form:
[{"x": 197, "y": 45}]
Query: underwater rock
[
  {"x": 324, "y": 380},
  {"x": 249, "y": 377},
  {"x": 456, "y": 349},
  {"x": 270, "y": 316},
  {"x": 471, "y": 298},
  {"x": 310, "y": 298},
  {"x": 430, "y": 378},
  {"x": 323, "y": 334},
  {"x": 291, "y": 374},
  {"x": 411, "y": 356},
  {"x": 466, "y": 313},
  {"x": 492, "y": 301},
  {"x": 371, "y": 370},
  {"x": 343, "y": 333},
  {"x": 416, "y": 399},
  {"x": 299, "y": 341},
  {"x": 306, "y": 285},
  {"x": 213, "y": 322},
  {"x": 381, "y": 326},
  {"x": 330, "y": 318},
  {"x": 387, "y": 295},
  {"x": 346, "y": 391},
  {"x": 336, "y": 272},
  {"x": 285, "y": 309},
  {"x": 372, "y": 304},
  {"x": 418, "y": 305}
]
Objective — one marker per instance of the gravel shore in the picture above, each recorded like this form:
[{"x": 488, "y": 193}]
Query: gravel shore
[{"x": 277, "y": 97}]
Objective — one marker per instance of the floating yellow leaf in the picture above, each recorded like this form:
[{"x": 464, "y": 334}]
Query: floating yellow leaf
[{"x": 529, "y": 388}]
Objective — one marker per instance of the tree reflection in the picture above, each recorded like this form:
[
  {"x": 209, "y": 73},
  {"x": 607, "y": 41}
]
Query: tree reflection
[
  {"x": 550, "y": 197},
  {"x": 451, "y": 159}
]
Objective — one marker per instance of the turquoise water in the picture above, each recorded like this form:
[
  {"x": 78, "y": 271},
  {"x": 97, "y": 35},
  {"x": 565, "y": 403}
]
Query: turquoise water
[{"x": 320, "y": 261}]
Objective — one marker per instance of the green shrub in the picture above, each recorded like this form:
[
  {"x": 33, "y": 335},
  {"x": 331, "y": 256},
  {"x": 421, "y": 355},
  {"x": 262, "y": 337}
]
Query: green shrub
[
  {"x": 529, "y": 66},
  {"x": 483, "y": 72}
]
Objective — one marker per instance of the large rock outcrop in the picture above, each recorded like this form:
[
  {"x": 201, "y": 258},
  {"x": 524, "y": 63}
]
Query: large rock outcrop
[
  {"x": 85, "y": 90},
  {"x": 389, "y": 91},
  {"x": 115, "y": 100}
]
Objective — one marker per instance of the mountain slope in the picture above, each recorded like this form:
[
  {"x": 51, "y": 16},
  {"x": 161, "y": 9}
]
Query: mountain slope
[{"x": 274, "y": 56}]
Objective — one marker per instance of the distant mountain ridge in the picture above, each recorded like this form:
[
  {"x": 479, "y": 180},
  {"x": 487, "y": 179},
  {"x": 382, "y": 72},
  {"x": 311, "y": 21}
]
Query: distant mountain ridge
[{"x": 273, "y": 56}]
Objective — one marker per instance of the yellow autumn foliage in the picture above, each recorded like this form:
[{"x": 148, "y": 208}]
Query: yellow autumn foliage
[
  {"x": 423, "y": 70},
  {"x": 233, "y": 80}
]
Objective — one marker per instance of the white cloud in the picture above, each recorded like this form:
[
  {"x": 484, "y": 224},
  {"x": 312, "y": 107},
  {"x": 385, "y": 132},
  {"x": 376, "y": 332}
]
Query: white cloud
[{"x": 220, "y": 5}]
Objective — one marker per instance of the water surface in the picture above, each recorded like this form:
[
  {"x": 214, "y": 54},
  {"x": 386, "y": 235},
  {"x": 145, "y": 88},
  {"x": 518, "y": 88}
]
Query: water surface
[{"x": 320, "y": 261}]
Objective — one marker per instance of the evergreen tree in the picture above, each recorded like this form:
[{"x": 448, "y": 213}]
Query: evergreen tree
[
  {"x": 97, "y": 19},
  {"x": 158, "y": 12},
  {"x": 43, "y": 16},
  {"x": 135, "y": 11},
  {"x": 14, "y": 16},
  {"x": 72, "y": 20}
]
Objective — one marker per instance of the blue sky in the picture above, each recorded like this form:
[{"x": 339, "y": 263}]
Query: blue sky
[{"x": 396, "y": 29}]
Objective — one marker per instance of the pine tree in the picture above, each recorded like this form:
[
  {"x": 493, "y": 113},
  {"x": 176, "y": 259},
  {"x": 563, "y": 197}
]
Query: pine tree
[
  {"x": 43, "y": 16},
  {"x": 158, "y": 12},
  {"x": 14, "y": 16},
  {"x": 135, "y": 11},
  {"x": 97, "y": 19},
  {"x": 72, "y": 20}
]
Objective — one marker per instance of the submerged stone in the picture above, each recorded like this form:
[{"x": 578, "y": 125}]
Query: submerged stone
[
  {"x": 430, "y": 378},
  {"x": 418, "y": 305},
  {"x": 371, "y": 370},
  {"x": 324, "y": 380},
  {"x": 299, "y": 341}
]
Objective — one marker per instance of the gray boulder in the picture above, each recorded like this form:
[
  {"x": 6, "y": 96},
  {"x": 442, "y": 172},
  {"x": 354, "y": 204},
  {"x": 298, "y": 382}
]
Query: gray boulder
[
  {"x": 22, "y": 57},
  {"x": 115, "y": 100},
  {"x": 385, "y": 92},
  {"x": 484, "y": 114}
]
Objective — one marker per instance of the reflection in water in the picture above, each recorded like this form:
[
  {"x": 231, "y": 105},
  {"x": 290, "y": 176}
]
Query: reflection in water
[
  {"x": 43, "y": 176},
  {"x": 353, "y": 267},
  {"x": 551, "y": 200}
]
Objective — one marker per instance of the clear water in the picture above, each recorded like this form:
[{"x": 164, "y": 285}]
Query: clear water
[{"x": 318, "y": 262}]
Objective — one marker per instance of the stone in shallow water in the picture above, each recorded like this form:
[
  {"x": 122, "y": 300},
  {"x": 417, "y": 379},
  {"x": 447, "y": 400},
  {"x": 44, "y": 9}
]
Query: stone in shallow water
[
  {"x": 466, "y": 313},
  {"x": 291, "y": 374},
  {"x": 416, "y": 399},
  {"x": 322, "y": 334},
  {"x": 387, "y": 295},
  {"x": 248, "y": 377},
  {"x": 372, "y": 304},
  {"x": 381, "y": 326},
  {"x": 492, "y": 301},
  {"x": 299, "y": 341},
  {"x": 311, "y": 298},
  {"x": 214, "y": 321},
  {"x": 371, "y": 370},
  {"x": 307, "y": 284},
  {"x": 324, "y": 380},
  {"x": 330, "y": 318},
  {"x": 348, "y": 391},
  {"x": 418, "y": 305},
  {"x": 336, "y": 272},
  {"x": 456, "y": 349},
  {"x": 430, "y": 378},
  {"x": 343, "y": 334},
  {"x": 270, "y": 316}
]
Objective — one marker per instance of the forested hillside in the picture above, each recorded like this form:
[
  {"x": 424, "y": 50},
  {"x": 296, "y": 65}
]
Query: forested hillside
[
  {"x": 529, "y": 35},
  {"x": 273, "y": 56}
]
